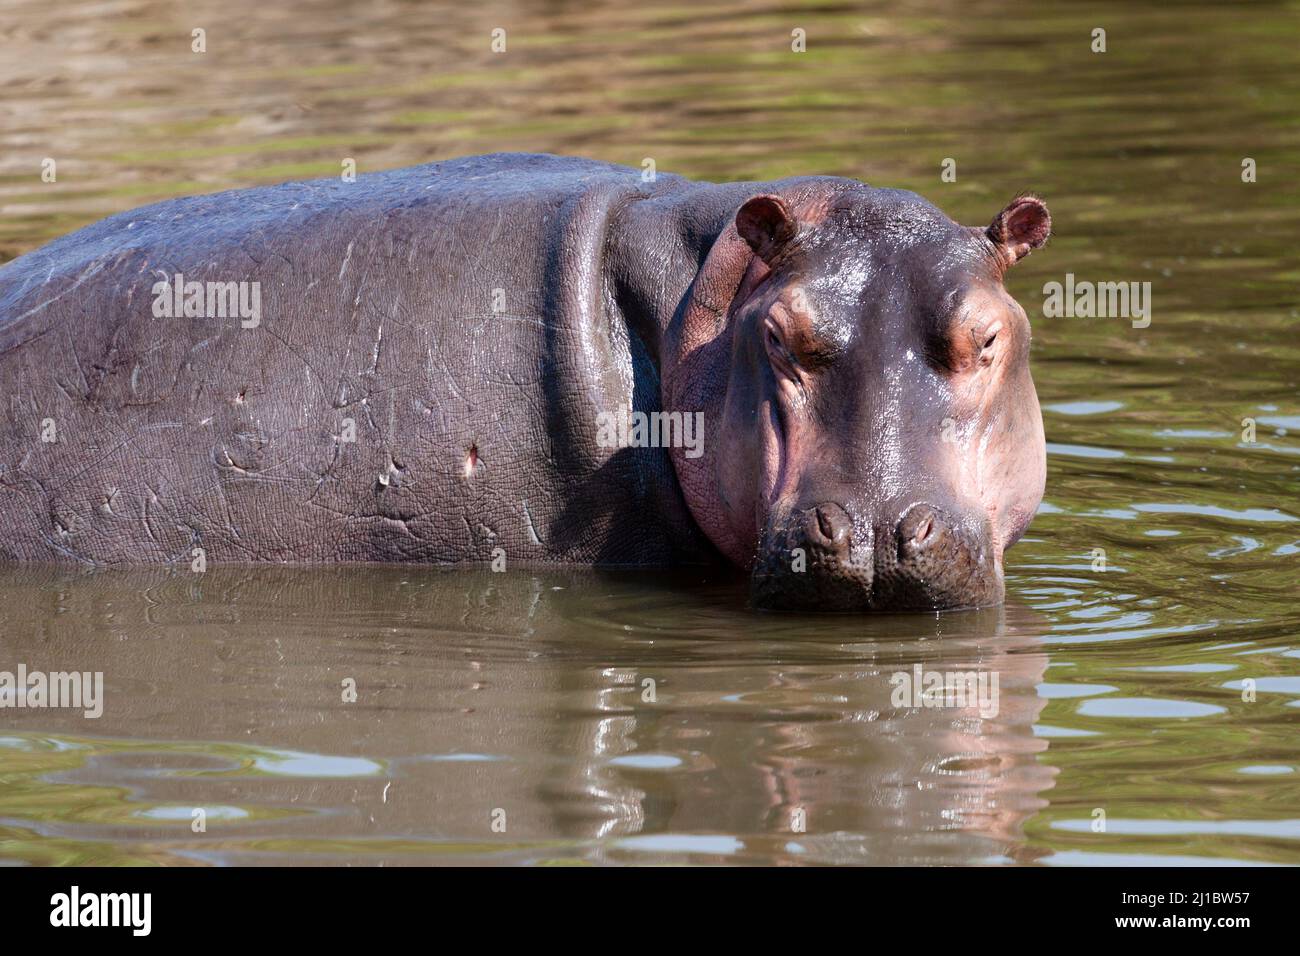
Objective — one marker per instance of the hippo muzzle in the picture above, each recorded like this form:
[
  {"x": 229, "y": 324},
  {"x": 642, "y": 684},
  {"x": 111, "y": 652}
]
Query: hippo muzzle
[{"x": 820, "y": 559}]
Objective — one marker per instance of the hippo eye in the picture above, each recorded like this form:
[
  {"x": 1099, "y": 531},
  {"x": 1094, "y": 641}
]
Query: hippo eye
[
  {"x": 775, "y": 346},
  {"x": 783, "y": 362},
  {"x": 990, "y": 338}
]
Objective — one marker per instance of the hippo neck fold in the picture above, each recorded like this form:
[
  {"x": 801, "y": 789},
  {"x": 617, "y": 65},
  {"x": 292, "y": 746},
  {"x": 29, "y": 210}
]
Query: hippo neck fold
[
  {"x": 695, "y": 349},
  {"x": 696, "y": 361}
]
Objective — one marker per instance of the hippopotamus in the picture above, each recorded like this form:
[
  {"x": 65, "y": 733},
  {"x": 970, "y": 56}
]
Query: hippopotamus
[{"x": 530, "y": 359}]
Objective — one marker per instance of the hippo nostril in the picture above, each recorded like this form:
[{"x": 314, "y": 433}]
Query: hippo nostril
[
  {"x": 919, "y": 526},
  {"x": 828, "y": 526}
]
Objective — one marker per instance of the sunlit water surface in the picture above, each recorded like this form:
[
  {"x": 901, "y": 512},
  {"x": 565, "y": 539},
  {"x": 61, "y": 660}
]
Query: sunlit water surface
[{"x": 1148, "y": 658}]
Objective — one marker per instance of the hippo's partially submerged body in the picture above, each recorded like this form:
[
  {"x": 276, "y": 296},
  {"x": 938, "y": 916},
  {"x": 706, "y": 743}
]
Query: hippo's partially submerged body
[{"x": 462, "y": 361}]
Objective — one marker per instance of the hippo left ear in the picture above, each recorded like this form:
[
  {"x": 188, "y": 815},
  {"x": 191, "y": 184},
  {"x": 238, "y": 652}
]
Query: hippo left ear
[
  {"x": 766, "y": 224},
  {"x": 1020, "y": 228}
]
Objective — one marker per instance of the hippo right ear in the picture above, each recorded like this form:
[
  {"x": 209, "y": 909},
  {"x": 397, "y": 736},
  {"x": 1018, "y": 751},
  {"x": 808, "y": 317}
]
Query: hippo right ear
[
  {"x": 1020, "y": 228},
  {"x": 766, "y": 224}
]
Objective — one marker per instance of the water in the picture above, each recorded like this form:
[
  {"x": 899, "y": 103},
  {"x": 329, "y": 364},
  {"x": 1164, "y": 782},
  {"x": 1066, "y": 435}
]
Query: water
[{"x": 521, "y": 698}]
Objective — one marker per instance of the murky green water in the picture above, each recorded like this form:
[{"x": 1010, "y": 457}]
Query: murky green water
[{"x": 508, "y": 718}]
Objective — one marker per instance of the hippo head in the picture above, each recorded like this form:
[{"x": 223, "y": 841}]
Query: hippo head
[{"x": 874, "y": 437}]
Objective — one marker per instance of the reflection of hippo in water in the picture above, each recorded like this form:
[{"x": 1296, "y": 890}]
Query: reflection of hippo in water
[
  {"x": 434, "y": 357},
  {"x": 783, "y": 738}
]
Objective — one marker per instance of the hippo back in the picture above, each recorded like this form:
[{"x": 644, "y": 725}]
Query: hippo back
[{"x": 421, "y": 380}]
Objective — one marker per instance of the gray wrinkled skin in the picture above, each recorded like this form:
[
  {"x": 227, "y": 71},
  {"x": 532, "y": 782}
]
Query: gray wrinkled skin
[
  {"x": 377, "y": 306},
  {"x": 436, "y": 348}
]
